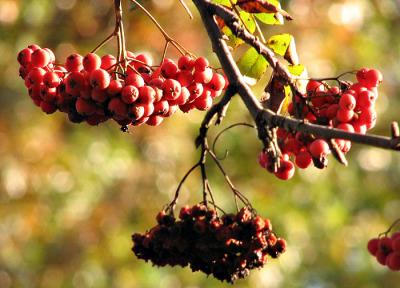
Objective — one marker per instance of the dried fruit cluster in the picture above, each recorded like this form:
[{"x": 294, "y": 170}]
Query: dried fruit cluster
[
  {"x": 95, "y": 89},
  {"x": 349, "y": 107},
  {"x": 227, "y": 247},
  {"x": 386, "y": 250}
]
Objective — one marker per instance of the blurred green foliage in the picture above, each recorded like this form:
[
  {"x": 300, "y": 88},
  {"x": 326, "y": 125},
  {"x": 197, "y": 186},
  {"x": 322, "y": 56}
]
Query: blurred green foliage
[{"x": 71, "y": 195}]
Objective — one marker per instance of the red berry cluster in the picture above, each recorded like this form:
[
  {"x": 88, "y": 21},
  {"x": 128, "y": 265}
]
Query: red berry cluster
[
  {"x": 227, "y": 247},
  {"x": 95, "y": 89},
  {"x": 386, "y": 250},
  {"x": 349, "y": 107}
]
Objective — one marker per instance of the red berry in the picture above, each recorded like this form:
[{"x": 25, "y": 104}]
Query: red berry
[
  {"x": 74, "y": 63},
  {"x": 393, "y": 261},
  {"x": 107, "y": 61},
  {"x": 172, "y": 89},
  {"x": 204, "y": 102},
  {"x": 129, "y": 94},
  {"x": 115, "y": 87},
  {"x": 319, "y": 148},
  {"x": 161, "y": 107},
  {"x": 36, "y": 76},
  {"x": 368, "y": 117},
  {"x": 24, "y": 56},
  {"x": 100, "y": 79},
  {"x": 303, "y": 159},
  {"x": 185, "y": 78},
  {"x": 148, "y": 108},
  {"x": 203, "y": 77},
  {"x": 155, "y": 120},
  {"x": 40, "y": 58},
  {"x": 396, "y": 243},
  {"x": 347, "y": 102},
  {"x": 85, "y": 107},
  {"x": 91, "y": 62},
  {"x": 143, "y": 62},
  {"x": 135, "y": 80},
  {"x": 169, "y": 69},
  {"x": 286, "y": 170},
  {"x": 185, "y": 63},
  {"x": 183, "y": 97},
  {"x": 196, "y": 90},
  {"x": 344, "y": 115},
  {"x": 117, "y": 107},
  {"x": 217, "y": 82},
  {"x": 373, "y": 246},
  {"x": 366, "y": 99},
  {"x": 48, "y": 108},
  {"x": 200, "y": 64},
  {"x": 51, "y": 54},
  {"x": 146, "y": 94},
  {"x": 314, "y": 86},
  {"x": 372, "y": 78},
  {"x": 99, "y": 95},
  {"x": 51, "y": 79}
]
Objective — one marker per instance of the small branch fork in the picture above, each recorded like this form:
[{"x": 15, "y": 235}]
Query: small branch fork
[
  {"x": 265, "y": 119},
  {"x": 218, "y": 111}
]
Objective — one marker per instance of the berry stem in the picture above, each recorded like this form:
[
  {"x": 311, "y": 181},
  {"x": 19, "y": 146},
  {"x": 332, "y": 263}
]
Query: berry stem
[
  {"x": 390, "y": 228},
  {"x": 223, "y": 132},
  {"x": 184, "y": 5},
  {"x": 168, "y": 38}
]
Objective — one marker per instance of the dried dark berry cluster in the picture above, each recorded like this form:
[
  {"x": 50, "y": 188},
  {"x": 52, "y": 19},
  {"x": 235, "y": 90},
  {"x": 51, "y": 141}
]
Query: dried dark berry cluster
[
  {"x": 226, "y": 247},
  {"x": 350, "y": 107},
  {"x": 95, "y": 89}
]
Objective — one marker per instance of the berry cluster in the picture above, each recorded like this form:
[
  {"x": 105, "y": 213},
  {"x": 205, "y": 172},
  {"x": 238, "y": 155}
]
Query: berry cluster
[
  {"x": 349, "y": 107},
  {"x": 227, "y": 247},
  {"x": 95, "y": 89},
  {"x": 386, "y": 250}
]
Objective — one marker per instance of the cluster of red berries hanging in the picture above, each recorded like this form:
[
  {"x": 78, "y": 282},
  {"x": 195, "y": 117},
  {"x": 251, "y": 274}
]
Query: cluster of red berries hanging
[
  {"x": 349, "y": 107},
  {"x": 386, "y": 250},
  {"x": 226, "y": 247},
  {"x": 95, "y": 89}
]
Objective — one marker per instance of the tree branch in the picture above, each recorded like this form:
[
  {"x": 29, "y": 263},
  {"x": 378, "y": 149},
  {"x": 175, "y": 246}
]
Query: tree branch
[{"x": 265, "y": 118}]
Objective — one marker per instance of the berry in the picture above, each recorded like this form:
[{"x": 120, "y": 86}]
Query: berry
[
  {"x": 172, "y": 89},
  {"x": 24, "y": 56},
  {"x": 347, "y": 102},
  {"x": 107, "y": 61},
  {"x": 393, "y": 261},
  {"x": 100, "y": 79},
  {"x": 51, "y": 79},
  {"x": 303, "y": 159},
  {"x": 373, "y": 246},
  {"x": 319, "y": 148},
  {"x": 91, "y": 62},
  {"x": 146, "y": 94},
  {"x": 74, "y": 63},
  {"x": 200, "y": 64},
  {"x": 40, "y": 58},
  {"x": 286, "y": 170}
]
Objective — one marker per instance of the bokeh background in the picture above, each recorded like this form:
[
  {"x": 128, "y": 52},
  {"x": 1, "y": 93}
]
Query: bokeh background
[{"x": 72, "y": 195}]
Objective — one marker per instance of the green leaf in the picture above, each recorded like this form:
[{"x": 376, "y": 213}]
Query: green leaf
[
  {"x": 279, "y": 43},
  {"x": 233, "y": 41},
  {"x": 248, "y": 21},
  {"x": 296, "y": 70},
  {"x": 252, "y": 64},
  {"x": 224, "y": 2},
  {"x": 268, "y": 18}
]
